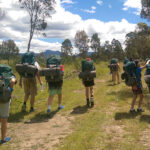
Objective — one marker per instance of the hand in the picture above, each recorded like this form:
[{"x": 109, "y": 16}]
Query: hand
[{"x": 41, "y": 83}]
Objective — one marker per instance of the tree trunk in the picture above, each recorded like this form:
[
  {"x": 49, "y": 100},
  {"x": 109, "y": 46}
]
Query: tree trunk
[{"x": 29, "y": 43}]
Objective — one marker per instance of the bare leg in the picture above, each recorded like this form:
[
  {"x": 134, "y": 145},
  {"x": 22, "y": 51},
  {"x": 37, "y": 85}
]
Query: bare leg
[
  {"x": 114, "y": 77},
  {"x": 91, "y": 91},
  {"x": 26, "y": 97},
  {"x": 118, "y": 77},
  {"x": 133, "y": 101},
  {"x": 32, "y": 100},
  {"x": 50, "y": 100},
  {"x": 87, "y": 92},
  {"x": 59, "y": 99},
  {"x": 4, "y": 128},
  {"x": 140, "y": 101}
]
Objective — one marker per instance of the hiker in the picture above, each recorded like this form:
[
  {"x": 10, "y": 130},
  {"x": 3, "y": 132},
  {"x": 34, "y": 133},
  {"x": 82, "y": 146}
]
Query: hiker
[
  {"x": 87, "y": 75},
  {"x": 7, "y": 81},
  {"x": 137, "y": 89},
  {"x": 54, "y": 77},
  {"x": 147, "y": 74},
  {"x": 115, "y": 68},
  {"x": 29, "y": 70}
]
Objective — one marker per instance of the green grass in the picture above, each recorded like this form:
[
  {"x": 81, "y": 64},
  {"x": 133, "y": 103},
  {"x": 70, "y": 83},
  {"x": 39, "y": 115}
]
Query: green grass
[{"x": 107, "y": 126}]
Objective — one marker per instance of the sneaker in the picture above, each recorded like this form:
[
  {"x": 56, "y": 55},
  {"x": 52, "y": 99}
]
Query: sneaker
[
  {"x": 23, "y": 108},
  {"x": 48, "y": 111},
  {"x": 132, "y": 110},
  {"x": 92, "y": 104},
  {"x": 31, "y": 109},
  {"x": 5, "y": 141},
  {"x": 140, "y": 110},
  {"x": 61, "y": 107}
]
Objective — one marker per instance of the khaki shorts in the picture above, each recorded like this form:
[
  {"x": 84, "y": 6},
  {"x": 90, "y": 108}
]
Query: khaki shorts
[
  {"x": 4, "y": 109},
  {"x": 30, "y": 86}
]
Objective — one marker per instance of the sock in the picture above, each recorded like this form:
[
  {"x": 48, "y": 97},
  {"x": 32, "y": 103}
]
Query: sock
[
  {"x": 49, "y": 107},
  {"x": 87, "y": 99},
  {"x": 24, "y": 103},
  {"x": 32, "y": 108},
  {"x": 92, "y": 98}
]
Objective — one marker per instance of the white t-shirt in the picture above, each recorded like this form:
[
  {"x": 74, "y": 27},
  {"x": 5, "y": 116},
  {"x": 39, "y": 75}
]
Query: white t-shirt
[{"x": 37, "y": 65}]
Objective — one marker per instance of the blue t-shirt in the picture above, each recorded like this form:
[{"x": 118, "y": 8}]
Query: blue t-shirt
[{"x": 138, "y": 76}]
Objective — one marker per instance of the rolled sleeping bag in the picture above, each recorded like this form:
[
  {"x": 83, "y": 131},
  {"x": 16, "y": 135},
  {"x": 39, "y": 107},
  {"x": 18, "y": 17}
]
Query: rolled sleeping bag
[
  {"x": 87, "y": 74},
  {"x": 24, "y": 68},
  {"x": 50, "y": 71}
]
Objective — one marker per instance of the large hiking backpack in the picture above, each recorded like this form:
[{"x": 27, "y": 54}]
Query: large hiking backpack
[
  {"x": 27, "y": 69},
  {"x": 130, "y": 73},
  {"x": 5, "y": 79},
  {"x": 88, "y": 70},
  {"x": 53, "y": 71},
  {"x": 147, "y": 76},
  {"x": 113, "y": 65}
]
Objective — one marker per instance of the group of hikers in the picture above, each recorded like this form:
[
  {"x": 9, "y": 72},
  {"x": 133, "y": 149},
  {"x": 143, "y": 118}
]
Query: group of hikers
[
  {"x": 29, "y": 70},
  {"x": 132, "y": 75}
]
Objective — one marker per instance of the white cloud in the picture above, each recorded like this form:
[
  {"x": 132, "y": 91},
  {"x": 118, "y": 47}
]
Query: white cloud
[
  {"x": 67, "y": 2},
  {"x": 109, "y": 6},
  {"x": 99, "y": 2},
  {"x": 91, "y": 11},
  {"x": 136, "y": 4},
  {"x": 62, "y": 25}
]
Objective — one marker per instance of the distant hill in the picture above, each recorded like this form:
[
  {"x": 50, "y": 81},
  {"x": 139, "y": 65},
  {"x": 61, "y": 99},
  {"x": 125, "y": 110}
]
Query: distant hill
[
  {"x": 47, "y": 52},
  {"x": 50, "y": 52}
]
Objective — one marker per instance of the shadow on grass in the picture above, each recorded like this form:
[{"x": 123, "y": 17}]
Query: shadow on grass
[
  {"x": 145, "y": 118},
  {"x": 80, "y": 110},
  {"x": 42, "y": 117},
  {"x": 125, "y": 115},
  {"x": 147, "y": 101},
  {"x": 17, "y": 117},
  {"x": 122, "y": 94}
]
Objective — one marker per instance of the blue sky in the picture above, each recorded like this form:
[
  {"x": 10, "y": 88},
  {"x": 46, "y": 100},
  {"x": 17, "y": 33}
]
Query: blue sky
[
  {"x": 109, "y": 18},
  {"x": 109, "y": 10}
]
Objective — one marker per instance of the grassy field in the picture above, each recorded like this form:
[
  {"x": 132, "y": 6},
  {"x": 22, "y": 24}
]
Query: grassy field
[{"x": 107, "y": 126}]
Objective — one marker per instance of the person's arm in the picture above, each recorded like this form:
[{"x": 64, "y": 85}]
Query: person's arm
[
  {"x": 38, "y": 77},
  {"x": 143, "y": 67},
  {"x": 119, "y": 66},
  {"x": 20, "y": 82}
]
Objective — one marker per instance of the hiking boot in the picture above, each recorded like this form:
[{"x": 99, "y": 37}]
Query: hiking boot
[
  {"x": 88, "y": 103},
  {"x": 140, "y": 110},
  {"x": 31, "y": 109},
  {"x": 61, "y": 107},
  {"x": 48, "y": 111},
  {"x": 23, "y": 108},
  {"x": 132, "y": 110}
]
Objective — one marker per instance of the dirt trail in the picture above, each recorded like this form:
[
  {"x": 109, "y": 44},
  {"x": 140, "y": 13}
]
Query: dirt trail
[{"x": 41, "y": 135}]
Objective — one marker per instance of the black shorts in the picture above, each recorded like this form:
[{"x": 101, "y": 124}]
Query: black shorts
[
  {"x": 88, "y": 83},
  {"x": 137, "y": 91},
  {"x": 57, "y": 84}
]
